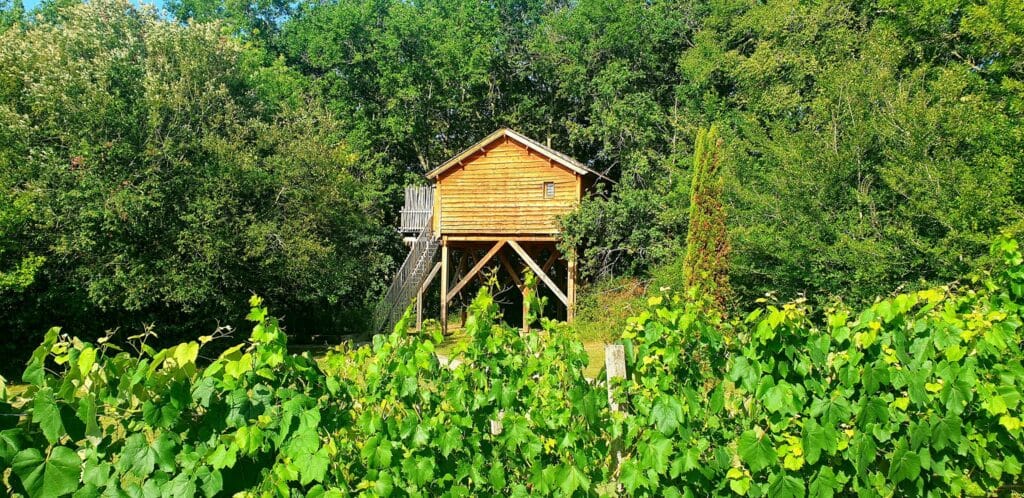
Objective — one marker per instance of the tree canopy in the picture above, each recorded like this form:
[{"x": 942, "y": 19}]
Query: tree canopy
[
  {"x": 158, "y": 165},
  {"x": 166, "y": 172}
]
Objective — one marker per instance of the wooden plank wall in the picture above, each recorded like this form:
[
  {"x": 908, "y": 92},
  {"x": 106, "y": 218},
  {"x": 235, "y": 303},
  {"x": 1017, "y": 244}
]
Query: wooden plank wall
[{"x": 501, "y": 191}]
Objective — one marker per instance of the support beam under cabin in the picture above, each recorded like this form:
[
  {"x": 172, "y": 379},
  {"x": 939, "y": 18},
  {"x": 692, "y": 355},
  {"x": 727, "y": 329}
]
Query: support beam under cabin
[
  {"x": 570, "y": 308},
  {"x": 537, "y": 270},
  {"x": 444, "y": 287},
  {"x": 476, "y": 269},
  {"x": 422, "y": 290}
]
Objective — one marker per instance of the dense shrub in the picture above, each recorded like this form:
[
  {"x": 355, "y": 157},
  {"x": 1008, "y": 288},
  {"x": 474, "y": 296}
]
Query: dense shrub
[
  {"x": 916, "y": 395},
  {"x": 166, "y": 173}
]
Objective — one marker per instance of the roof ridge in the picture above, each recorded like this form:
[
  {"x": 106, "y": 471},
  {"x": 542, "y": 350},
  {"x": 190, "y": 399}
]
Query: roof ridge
[{"x": 563, "y": 159}]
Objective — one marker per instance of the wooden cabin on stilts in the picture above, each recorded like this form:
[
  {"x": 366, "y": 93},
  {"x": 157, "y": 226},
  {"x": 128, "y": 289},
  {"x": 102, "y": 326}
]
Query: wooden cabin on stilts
[{"x": 495, "y": 205}]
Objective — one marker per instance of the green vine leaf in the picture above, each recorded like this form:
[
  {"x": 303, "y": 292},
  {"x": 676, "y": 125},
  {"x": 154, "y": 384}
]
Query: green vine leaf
[{"x": 56, "y": 475}]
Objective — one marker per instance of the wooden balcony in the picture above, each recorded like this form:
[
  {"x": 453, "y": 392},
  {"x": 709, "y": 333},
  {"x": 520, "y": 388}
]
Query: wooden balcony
[{"x": 419, "y": 205}]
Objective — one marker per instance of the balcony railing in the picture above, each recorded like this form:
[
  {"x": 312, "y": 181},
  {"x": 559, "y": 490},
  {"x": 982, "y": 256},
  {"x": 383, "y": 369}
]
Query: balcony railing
[{"x": 419, "y": 205}]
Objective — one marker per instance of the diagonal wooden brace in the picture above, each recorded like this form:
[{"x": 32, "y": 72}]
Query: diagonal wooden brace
[
  {"x": 475, "y": 269},
  {"x": 539, "y": 271},
  {"x": 511, "y": 270}
]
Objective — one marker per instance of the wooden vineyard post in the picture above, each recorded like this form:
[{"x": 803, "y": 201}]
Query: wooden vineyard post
[
  {"x": 615, "y": 367},
  {"x": 496, "y": 425}
]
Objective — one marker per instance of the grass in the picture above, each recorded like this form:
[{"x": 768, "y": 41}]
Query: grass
[{"x": 604, "y": 308}]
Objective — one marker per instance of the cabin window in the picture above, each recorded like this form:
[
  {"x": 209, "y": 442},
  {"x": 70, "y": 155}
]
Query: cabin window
[{"x": 549, "y": 189}]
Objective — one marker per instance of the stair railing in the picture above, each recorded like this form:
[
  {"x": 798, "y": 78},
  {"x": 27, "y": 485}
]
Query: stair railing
[{"x": 407, "y": 280}]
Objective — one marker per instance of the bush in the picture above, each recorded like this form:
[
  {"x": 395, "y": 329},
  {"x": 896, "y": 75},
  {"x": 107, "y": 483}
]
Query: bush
[{"x": 918, "y": 394}]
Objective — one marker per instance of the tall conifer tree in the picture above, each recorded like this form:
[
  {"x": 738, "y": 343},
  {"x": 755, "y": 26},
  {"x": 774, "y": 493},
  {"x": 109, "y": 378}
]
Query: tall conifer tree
[{"x": 707, "y": 242}]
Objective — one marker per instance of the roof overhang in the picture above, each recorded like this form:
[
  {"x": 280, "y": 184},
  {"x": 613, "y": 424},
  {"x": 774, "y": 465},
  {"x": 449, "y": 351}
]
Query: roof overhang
[{"x": 555, "y": 156}]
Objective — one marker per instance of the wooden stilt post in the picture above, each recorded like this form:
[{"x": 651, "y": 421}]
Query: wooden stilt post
[
  {"x": 526, "y": 310},
  {"x": 419, "y": 295},
  {"x": 459, "y": 272},
  {"x": 444, "y": 287},
  {"x": 570, "y": 307}
]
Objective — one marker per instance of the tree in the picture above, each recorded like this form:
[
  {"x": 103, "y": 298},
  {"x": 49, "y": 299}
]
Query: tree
[
  {"x": 871, "y": 148},
  {"x": 706, "y": 267},
  {"x": 11, "y": 12},
  {"x": 171, "y": 174}
]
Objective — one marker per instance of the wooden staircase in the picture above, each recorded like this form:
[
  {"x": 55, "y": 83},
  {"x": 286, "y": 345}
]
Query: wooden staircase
[{"x": 416, "y": 270}]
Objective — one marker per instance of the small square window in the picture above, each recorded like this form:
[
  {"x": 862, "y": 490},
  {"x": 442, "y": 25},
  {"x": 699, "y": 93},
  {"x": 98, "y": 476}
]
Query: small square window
[{"x": 549, "y": 189}]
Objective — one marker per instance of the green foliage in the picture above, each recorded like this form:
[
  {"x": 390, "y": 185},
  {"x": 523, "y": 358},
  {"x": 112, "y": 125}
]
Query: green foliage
[
  {"x": 116, "y": 422},
  {"x": 165, "y": 172},
  {"x": 257, "y": 20},
  {"x": 11, "y": 13},
  {"x": 916, "y": 394},
  {"x": 706, "y": 266},
  {"x": 15, "y": 276},
  {"x": 605, "y": 305},
  {"x": 866, "y": 149},
  {"x": 419, "y": 81}
]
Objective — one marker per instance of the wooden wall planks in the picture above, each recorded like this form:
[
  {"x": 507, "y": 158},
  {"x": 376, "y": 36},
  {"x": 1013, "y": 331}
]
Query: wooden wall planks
[{"x": 500, "y": 190}]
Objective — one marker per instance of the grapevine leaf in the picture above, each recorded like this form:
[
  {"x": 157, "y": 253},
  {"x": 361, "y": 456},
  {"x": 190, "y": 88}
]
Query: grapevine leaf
[
  {"x": 55, "y": 476},
  {"x": 757, "y": 452},
  {"x": 573, "y": 479},
  {"x": 313, "y": 468},
  {"x": 946, "y": 431},
  {"x": 717, "y": 399},
  {"x": 213, "y": 481},
  {"x": 136, "y": 456},
  {"x": 631, "y": 477},
  {"x": 824, "y": 484},
  {"x": 817, "y": 438},
  {"x": 181, "y": 485},
  {"x": 10, "y": 444},
  {"x": 163, "y": 449},
  {"x": 86, "y": 359},
  {"x": 785, "y": 486},
  {"x": 223, "y": 456},
  {"x": 34, "y": 370},
  {"x": 421, "y": 436},
  {"x": 450, "y": 441},
  {"x": 740, "y": 486},
  {"x": 906, "y": 464},
  {"x": 46, "y": 413},
  {"x": 862, "y": 452},
  {"x": 666, "y": 414},
  {"x": 778, "y": 398},
  {"x": 422, "y": 471},
  {"x": 497, "y": 476},
  {"x": 656, "y": 454},
  {"x": 873, "y": 410},
  {"x": 384, "y": 485},
  {"x": 832, "y": 411}
]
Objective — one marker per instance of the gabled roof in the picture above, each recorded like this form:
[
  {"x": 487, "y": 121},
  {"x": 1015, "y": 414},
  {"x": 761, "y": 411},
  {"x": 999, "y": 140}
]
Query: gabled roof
[{"x": 570, "y": 163}]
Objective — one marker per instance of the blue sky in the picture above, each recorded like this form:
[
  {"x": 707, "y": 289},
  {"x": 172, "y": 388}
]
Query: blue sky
[{"x": 31, "y": 4}]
